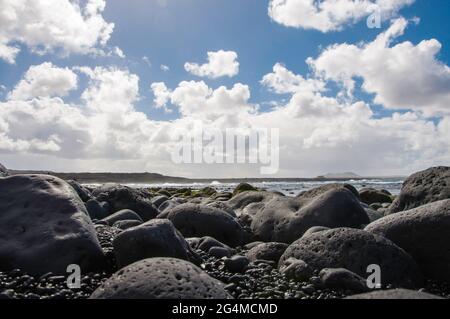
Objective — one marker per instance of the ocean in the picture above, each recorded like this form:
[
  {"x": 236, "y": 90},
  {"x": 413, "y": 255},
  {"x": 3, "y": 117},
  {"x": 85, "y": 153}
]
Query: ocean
[{"x": 287, "y": 188}]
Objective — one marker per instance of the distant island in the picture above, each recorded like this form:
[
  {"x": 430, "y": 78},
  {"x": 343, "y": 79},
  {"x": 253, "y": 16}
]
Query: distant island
[{"x": 339, "y": 175}]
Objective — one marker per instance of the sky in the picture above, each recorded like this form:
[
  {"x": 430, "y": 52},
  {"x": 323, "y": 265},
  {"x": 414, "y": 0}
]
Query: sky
[{"x": 94, "y": 85}]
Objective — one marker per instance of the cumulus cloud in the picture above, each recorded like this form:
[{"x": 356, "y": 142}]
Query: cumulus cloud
[
  {"x": 106, "y": 132},
  {"x": 330, "y": 15},
  {"x": 220, "y": 63},
  {"x": 401, "y": 76},
  {"x": 48, "y": 25},
  {"x": 281, "y": 80},
  {"x": 44, "y": 80}
]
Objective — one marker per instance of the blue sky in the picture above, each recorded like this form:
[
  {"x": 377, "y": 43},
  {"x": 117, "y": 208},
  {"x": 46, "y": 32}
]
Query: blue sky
[
  {"x": 180, "y": 31},
  {"x": 173, "y": 32}
]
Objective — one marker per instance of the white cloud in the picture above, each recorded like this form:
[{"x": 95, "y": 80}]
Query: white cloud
[
  {"x": 105, "y": 132},
  {"x": 48, "y": 25},
  {"x": 147, "y": 61},
  {"x": 281, "y": 80},
  {"x": 220, "y": 63},
  {"x": 164, "y": 68},
  {"x": 401, "y": 76},
  {"x": 330, "y": 15},
  {"x": 44, "y": 80},
  {"x": 162, "y": 95}
]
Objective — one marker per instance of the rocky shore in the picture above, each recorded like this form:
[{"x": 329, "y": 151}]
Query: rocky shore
[{"x": 249, "y": 243}]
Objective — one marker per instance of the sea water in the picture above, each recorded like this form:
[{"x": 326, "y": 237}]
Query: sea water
[{"x": 288, "y": 188}]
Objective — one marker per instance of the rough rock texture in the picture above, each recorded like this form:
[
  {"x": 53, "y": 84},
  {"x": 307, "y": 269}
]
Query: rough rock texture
[
  {"x": 355, "y": 250},
  {"x": 206, "y": 243},
  {"x": 197, "y": 221},
  {"x": 285, "y": 219},
  {"x": 155, "y": 238},
  {"x": 161, "y": 278},
  {"x": 314, "y": 192},
  {"x": 424, "y": 232},
  {"x": 3, "y": 171},
  {"x": 422, "y": 188},
  {"x": 267, "y": 251},
  {"x": 315, "y": 229},
  {"x": 394, "y": 294},
  {"x": 123, "y": 197},
  {"x": 371, "y": 195},
  {"x": 223, "y": 206},
  {"x": 44, "y": 226},
  {"x": 124, "y": 214},
  {"x": 341, "y": 278}
]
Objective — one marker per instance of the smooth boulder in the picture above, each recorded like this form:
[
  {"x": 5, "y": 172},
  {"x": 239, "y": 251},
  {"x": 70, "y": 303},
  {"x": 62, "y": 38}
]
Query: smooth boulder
[
  {"x": 421, "y": 188},
  {"x": 45, "y": 227},
  {"x": 285, "y": 219},
  {"x": 155, "y": 238},
  {"x": 424, "y": 232},
  {"x": 342, "y": 279},
  {"x": 161, "y": 278},
  {"x": 194, "y": 220},
  {"x": 124, "y": 214},
  {"x": 355, "y": 250}
]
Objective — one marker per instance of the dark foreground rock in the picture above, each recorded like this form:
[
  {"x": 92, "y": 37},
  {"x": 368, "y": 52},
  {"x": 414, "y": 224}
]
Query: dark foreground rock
[
  {"x": 267, "y": 251},
  {"x": 197, "y": 221},
  {"x": 423, "y": 232},
  {"x": 285, "y": 219},
  {"x": 161, "y": 278},
  {"x": 314, "y": 192},
  {"x": 45, "y": 227},
  {"x": 155, "y": 238},
  {"x": 422, "y": 188},
  {"x": 355, "y": 250},
  {"x": 122, "y": 197},
  {"x": 395, "y": 294}
]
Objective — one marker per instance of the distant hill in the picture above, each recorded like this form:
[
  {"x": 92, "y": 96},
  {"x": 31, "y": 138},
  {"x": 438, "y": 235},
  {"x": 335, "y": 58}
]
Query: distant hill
[
  {"x": 87, "y": 178},
  {"x": 340, "y": 175}
]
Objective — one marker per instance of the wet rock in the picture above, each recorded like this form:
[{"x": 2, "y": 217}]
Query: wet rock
[
  {"x": 220, "y": 252},
  {"x": 161, "y": 278},
  {"x": 3, "y": 171}
]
